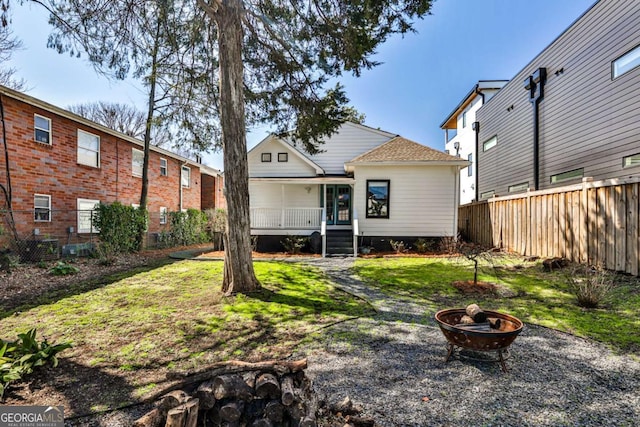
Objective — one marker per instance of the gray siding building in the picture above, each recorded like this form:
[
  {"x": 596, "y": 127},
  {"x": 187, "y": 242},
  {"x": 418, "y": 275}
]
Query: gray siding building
[{"x": 572, "y": 112}]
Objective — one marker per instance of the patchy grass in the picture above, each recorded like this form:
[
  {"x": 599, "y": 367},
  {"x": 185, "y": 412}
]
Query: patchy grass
[
  {"x": 174, "y": 318},
  {"x": 534, "y": 296}
]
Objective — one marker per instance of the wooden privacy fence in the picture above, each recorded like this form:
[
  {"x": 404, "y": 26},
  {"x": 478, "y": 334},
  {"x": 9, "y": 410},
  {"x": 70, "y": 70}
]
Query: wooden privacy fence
[{"x": 592, "y": 222}]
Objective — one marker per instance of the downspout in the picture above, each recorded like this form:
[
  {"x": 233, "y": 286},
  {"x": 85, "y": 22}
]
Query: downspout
[
  {"x": 476, "y": 129},
  {"x": 180, "y": 184},
  {"x": 535, "y": 85}
]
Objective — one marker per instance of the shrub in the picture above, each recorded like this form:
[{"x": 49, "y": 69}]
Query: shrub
[
  {"x": 294, "y": 244},
  {"x": 19, "y": 358},
  {"x": 63, "y": 269},
  {"x": 591, "y": 286},
  {"x": 188, "y": 228},
  {"x": 399, "y": 246},
  {"x": 423, "y": 245},
  {"x": 121, "y": 228},
  {"x": 216, "y": 226}
]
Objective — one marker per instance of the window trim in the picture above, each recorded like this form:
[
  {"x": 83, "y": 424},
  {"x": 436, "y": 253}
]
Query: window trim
[
  {"x": 36, "y": 128},
  {"x": 491, "y": 142},
  {"x": 265, "y": 157},
  {"x": 182, "y": 171},
  {"x": 164, "y": 168},
  {"x": 133, "y": 171},
  {"x": 464, "y": 119},
  {"x": 522, "y": 186},
  {"x": 37, "y": 209},
  {"x": 79, "y": 212},
  {"x": 486, "y": 195},
  {"x": 568, "y": 176},
  {"x": 369, "y": 210},
  {"x": 164, "y": 215},
  {"x": 470, "y": 167},
  {"x": 631, "y": 165},
  {"x": 97, "y": 165},
  {"x": 636, "y": 60},
  {"x": 283, "y": 157}
]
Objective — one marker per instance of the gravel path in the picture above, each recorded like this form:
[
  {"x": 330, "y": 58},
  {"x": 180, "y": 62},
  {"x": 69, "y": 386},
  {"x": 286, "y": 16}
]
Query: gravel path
[{"x": 393, "y": 365}]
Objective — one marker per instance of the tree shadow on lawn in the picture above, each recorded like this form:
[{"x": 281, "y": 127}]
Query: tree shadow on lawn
[
  {"x": 554, "y": 378},
  {"x": 18, "y": 302}
]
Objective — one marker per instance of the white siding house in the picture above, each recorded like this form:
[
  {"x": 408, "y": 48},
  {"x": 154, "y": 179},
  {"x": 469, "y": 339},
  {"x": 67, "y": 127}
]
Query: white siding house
[{"x": 366, "y": 186}]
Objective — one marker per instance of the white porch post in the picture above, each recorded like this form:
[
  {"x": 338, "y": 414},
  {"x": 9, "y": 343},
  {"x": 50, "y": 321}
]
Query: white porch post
[
  {"x": 323, "y": 226},
  {"x": 282, "y": 206}
]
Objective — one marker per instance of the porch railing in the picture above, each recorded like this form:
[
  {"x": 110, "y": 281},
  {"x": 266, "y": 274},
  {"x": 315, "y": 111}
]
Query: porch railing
[{"x": 288, "y": 218}]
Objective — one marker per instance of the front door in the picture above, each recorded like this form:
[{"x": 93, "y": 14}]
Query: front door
[{"x": 338, "y": 199}]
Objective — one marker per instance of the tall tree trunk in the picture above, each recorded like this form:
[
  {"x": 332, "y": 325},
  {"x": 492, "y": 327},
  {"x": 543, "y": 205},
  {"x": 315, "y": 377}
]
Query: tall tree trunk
[{"x": 238, "y": 266}]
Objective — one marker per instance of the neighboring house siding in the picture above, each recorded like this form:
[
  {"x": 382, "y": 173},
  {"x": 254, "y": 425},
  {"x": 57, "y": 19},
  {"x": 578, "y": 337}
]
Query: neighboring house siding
[
  {"x": 422, "y": 200},
  {"x": 53, "y": 170},
  {"x": 294, "y": 166},
  {"x": 587, "y": 119},
  {"x": 351, "y": 141}
]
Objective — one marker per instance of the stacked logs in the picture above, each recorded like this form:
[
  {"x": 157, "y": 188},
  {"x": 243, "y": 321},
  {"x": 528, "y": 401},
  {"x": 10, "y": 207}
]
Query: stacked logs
[
  {"x": 262, "y": 394},
  {"x": 476, "y": 319}
]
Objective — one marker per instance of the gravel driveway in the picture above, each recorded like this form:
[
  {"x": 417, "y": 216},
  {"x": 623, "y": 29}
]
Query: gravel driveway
[{"x": 393, "y": 365}]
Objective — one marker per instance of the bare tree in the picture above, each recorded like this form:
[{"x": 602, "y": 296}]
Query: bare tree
[{"x": 8, "y": 45}]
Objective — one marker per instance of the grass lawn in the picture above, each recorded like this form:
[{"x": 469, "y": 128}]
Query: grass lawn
[
  {"x": 529, "y": 293},
  {"x": 151, "y": 321}
]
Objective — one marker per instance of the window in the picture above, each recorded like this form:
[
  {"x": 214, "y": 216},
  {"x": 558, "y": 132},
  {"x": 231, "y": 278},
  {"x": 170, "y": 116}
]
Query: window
[
  {"x": 630, "y": 161},
  {"x": 163, "y": 215},
  {"x": 464, "y": 119},
  {"x": 85, "y": 215},
  {"x": 283, "y": 157},
  {"x": 163, "y": 167},
  {"x": 42, "y": 208},
  {"x": 42, "y": 129},
  {"x": 135, "y": 205},
  {"x": 378, "y": 198},
  {"x": 626, "y": 62},
  {"x": 490, "y": 143},
  {"x": 88, "y": 149},
  {"x": 447, "y": 151},
  {"x": 487, "y": 194},
  {"x": 137, "y": 162},
  {"x": 519, "y": 187},
  {"x": 470, "y": 167},
  {"x": 566, "y": 176},
  {"x": 266, "y": 157},
  {"x": 186, "y": 176}
]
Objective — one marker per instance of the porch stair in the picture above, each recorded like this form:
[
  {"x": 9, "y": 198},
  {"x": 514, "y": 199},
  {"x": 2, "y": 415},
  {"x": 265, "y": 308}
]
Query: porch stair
[{"x": 339, "y": 243}]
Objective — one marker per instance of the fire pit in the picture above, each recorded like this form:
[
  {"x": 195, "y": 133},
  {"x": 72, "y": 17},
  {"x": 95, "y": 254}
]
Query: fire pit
[{"x": 479, "y": 337}]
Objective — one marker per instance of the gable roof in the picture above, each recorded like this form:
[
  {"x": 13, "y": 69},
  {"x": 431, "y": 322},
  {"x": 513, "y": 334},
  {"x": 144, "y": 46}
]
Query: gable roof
[
  {"x": 293, "y": 148},
  {"x": 402, "y": 150},
  {"x": 451, "y": 121}
]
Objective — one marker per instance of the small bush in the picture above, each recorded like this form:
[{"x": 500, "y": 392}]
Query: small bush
[
  {"x": 63, "y": 269},
  {"x": 19, "y": 358},
  {"x": 423, "y": 245},
  {"x": 293, "y": 244},
  {"x": 591, "y": 286},
  {"x": 399, "y": 247},
  {"x": 188, "y": 228},
  {"x": 120, "y": 228}
]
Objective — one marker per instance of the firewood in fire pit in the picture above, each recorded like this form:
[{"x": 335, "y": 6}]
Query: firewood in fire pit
[
  {"x": 495, "y": 323},
  {"x": 466, "y": 320},
  {"x": 476, "y": 313}
]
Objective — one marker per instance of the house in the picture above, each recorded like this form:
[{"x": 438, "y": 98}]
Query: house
[
  {"x": 461, "y": 133},
  {"x": 365, "y": 188},
  {"x": 61, "y": 165},
  {"x": 570, "y": 113}
]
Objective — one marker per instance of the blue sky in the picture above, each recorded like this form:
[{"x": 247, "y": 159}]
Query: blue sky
[{"x": 422, "y": 79}]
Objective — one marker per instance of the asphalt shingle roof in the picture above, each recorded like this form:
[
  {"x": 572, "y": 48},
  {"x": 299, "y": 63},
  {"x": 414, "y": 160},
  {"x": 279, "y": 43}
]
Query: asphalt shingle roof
[{"x": 400, "y": 149}]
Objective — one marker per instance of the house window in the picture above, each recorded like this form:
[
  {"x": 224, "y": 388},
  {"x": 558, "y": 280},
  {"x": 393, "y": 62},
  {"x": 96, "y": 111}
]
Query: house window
[
  {"x": 42, "y": 129},
  {"x": 490, "y": 143},
  {"x": 42, "y": 208},
  {"x": 283, "y": 157},
  {"x": 186, "y": 176},
  {"x": 164, "y": 170},
  {"x": 630, "y": 161},
  {"x": 86, "y": 208},
  {"x": 137, "y": 162},
  {"x": 447, "y": 151},
  {"x": 464, "y": 119},
  {"x": 626, "y": 62},
  {"x": 470, "y": 167},
  {"x": 378, "y": 198},
  {"x": 519, "y": 187},
  {"x": 135, "y": 205},
  {"x": 487, "y": 194},
  {"x": 88, "y": 149},
  {"x": 566, "y": 176},
  {"x": 163, "y": 215},
  {"x": 266, "y": 157}
]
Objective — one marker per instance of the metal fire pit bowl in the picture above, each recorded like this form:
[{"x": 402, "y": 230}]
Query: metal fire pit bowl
[{"x": 497, "y": 340}]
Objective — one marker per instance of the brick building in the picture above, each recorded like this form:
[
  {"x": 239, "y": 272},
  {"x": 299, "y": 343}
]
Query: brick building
[{"x": 61, "y": 165}]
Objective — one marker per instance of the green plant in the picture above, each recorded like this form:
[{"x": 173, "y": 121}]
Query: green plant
[
  {"x": 398, "y": 246},
  {"x": 19, "y": 358},
  {"x": 120, "y": 228},
  {"x": 422, "y": 245},
  {"x": 294, "y": 244},
  {"x": 216, "y": 225},
  {"x": 188, "y": 228},
  {"x": 63, "y": 269},
  {"x": 591, "y": 286}
]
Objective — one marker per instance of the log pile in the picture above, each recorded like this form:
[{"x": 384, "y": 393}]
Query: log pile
[
  {"x": 261, "y": 394},
  {"x": 476, "y": 319}
]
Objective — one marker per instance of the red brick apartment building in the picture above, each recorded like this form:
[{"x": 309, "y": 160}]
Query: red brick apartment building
[{"x": 61, "y": 165}]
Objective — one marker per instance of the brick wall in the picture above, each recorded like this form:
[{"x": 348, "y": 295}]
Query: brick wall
[{"x": 53, "y": 170}]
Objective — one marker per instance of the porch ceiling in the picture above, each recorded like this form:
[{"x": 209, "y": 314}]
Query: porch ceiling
[{"x": 310, "y": 180}]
